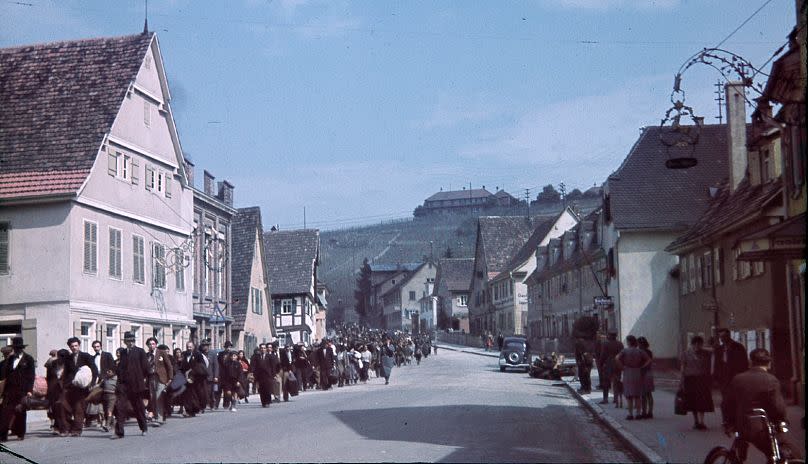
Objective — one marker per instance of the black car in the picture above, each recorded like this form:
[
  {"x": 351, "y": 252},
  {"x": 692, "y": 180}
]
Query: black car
[{"x": 515, "y": 354}]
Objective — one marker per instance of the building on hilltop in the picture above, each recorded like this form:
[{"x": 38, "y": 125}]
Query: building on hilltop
[
  {"x": 251, "y": 310},
  {"x": 463, "y": 201},
  {"x": 292, "y": 259},
  {"x": 95, "y": 205}
]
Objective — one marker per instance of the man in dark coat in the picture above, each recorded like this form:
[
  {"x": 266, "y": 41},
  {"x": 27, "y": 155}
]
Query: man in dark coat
[
  {"x": 326, "y": 359},
  {"x": 730, "y": 360},
  {"x": 192, "y": 365},
  {"x": 19, "y": 373},
  {"x": 212, "y": 367},
  {"x": 608, "y": 352},
  {"x": 264, "y": 368},
  {"x": 133, "y": 376},
  {"x": 756, "y": 388},
  {"x": 74, "y": 397},
  {"x": 584, "y": 360},
  {"x": 222, "y": 359}
]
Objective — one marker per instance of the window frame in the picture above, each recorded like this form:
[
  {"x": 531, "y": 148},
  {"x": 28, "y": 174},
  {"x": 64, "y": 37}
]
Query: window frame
[
  {"x": 87, "y": 340},
  {"x": 112, "y": 342},
  {"x": 288, "y": 306},
  {"x": 5, "y": 247},
  {"x": 115, "y": 256},
  {"x": 138, "y": 279},
  {"x": 93, "y": 269}
]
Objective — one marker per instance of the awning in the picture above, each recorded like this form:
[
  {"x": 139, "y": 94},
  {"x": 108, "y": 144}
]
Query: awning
[{"x": 785, "y": 240}]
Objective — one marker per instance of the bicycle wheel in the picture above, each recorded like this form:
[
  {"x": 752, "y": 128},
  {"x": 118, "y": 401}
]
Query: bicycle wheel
[{"x": 721, "y": 455}]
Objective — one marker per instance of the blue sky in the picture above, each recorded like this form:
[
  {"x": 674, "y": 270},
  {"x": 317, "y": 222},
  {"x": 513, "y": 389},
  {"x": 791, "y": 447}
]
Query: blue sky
[{"x": 358, "y": 111}]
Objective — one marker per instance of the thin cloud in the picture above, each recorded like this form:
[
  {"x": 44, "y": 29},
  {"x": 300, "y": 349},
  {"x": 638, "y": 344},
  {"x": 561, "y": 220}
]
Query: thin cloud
[
  {"x": 452, "y": 111},
  {"x": 603, "y": 5}
]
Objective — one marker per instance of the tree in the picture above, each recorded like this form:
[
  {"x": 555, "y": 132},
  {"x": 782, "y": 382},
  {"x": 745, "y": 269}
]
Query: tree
[
  {"x": 448, "y": 253},
  {"x": 443, "y": 320},
  {"x": 548, "y": 194},
  {"x": 363, "y": 290},
  {"x": 419, "y": 211},
  {"x": 575, "y": 195}
]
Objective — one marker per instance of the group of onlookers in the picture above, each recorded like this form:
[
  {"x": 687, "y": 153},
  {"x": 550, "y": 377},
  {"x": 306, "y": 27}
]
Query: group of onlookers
[{"x": 82, "y": 389}]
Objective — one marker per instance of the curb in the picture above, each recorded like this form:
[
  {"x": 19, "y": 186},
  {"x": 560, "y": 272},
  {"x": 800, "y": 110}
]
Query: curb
[
  {"x": 452, "y": 348},
  {"x": 640, "y": 448}
]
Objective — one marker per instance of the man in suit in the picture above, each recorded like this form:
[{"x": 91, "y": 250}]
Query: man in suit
[
  {"x": 755, "y": 388},
  {"x": 105, "y": 364},
  {"x": 212, "y": 368},
  {"x": 326, "y": 359},
  {"x": 74, "y": 397},
  {"x": 608, "y": 369},
  {"x": 18, "y": 372},
  {"x": 133, "y": 374},
  {"x": 730, "y": 360},
  {"x": 264, "y": 367},
  {"x": 285, "y": 356}
]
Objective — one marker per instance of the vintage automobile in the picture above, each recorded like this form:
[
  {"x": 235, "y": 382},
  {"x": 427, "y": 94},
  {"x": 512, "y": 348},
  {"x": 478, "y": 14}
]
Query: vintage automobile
[{"x": 514, "y": 354}]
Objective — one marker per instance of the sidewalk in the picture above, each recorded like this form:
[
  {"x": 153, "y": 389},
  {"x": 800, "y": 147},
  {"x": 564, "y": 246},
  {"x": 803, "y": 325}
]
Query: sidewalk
[{"x": 666, "y": 437}]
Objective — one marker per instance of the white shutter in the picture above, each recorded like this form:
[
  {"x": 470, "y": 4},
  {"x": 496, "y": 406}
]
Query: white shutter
[
  {"x": 149, "y": 182},
  {"x": 112, "y": 164},
  {"x": 135, "y": 171},
  {"x": 168, "y": 185}
]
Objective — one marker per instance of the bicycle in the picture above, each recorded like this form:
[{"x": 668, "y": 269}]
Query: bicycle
[{"x": 736, "y": 454}]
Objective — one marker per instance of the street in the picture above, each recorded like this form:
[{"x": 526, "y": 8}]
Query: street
[{"x": 453, "y": 407}]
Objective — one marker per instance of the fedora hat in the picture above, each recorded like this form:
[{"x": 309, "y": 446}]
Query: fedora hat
[
  {"x": 17, "y": 342},
  {"x": 129, "y": 336}
]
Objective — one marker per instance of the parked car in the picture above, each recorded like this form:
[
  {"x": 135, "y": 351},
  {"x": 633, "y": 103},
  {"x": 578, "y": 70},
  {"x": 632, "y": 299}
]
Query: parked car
[{"x": 514, "y": 354}]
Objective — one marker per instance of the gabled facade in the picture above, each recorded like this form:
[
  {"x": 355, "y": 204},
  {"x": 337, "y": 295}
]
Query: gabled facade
[
  {"x": 293, "y": 257},
  {"x": 452, "y": 283},
  {"x": 251, "y": 310},
  {"x": 213, "y": 259},
  {"x": 568, "y": 280},
  {"x": 401, "y": 303},
  {"x": 645, "y": 207},
  {"x": 383, "y": 277},
  {"x": 95, "y": 205},
  {"x": 509, "y": 288}
]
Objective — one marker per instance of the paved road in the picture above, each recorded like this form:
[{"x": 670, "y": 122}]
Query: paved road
[{"x": 453, "y": 407}]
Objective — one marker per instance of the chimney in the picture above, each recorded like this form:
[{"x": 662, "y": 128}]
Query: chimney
[
  {"x": 189, "y": 171},
  {"x": 209, "y": 183},
  {"x": 225, "y": 193},
  {"x": 736, "y": 132}
]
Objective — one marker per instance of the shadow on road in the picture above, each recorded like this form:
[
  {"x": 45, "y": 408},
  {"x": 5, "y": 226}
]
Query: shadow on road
[{"x": 479, "y": 433}]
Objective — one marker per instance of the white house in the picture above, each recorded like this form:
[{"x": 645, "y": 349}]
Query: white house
[
  {"x": 402, "y": 301},
  {"x": 93, "y": 195}
]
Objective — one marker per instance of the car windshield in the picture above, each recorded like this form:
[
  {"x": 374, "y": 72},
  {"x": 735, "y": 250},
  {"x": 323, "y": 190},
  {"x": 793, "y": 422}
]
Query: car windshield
[{"x": 514, "y": 345}]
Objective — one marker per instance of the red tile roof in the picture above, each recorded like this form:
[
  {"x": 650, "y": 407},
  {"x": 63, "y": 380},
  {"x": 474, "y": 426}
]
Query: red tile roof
[{"x": 59, "y": 100}]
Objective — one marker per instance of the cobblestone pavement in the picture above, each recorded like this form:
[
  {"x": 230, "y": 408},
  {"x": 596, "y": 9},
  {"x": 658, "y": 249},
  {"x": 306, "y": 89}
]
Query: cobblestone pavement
[{"x": 453, "y": 407}]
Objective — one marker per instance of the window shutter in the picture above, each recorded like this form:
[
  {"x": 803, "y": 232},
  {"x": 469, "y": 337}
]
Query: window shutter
[
  {"x": 4, "y": 246},
  {"x": 112, "y": 164},
  {"x": 149, "y": 179},
  {"x": 168, "y": 186},
  {"x": 77, "y": 330},
  {"x": 135, "y": 171}
]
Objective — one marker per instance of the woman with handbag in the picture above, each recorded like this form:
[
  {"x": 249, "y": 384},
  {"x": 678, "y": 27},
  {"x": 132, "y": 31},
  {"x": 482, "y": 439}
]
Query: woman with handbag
[{"x": 695, "y": 382}]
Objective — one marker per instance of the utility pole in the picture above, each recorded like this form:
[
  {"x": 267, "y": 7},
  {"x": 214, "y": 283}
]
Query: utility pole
[
  {"x": 527, "y": 201},
  {"x": 563, "y": 190},
  {"x": 719, "y": 97},
  {"x": 304, "y": 217}
]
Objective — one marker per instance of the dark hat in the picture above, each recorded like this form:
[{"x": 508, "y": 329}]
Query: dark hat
[
  {"x": 129, "y": 336},
  {"x": 228, "y": 344},
  {"x": 17, "y": 342}
]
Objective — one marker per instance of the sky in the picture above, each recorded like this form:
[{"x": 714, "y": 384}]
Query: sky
[{"x": 357, "y": 111}]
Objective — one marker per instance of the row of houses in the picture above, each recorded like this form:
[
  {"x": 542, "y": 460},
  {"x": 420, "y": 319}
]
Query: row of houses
[
  {"x": 670, "y": 253},
  {"x": 102, "y": 229}
]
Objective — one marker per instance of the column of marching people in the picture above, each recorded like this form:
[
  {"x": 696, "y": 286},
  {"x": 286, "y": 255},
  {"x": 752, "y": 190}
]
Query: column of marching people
[{"x": 100, "y": 390}]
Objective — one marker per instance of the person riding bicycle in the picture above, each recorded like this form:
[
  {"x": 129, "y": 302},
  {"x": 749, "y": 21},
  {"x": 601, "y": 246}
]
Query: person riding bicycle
[{"x": 755, "y": 388}]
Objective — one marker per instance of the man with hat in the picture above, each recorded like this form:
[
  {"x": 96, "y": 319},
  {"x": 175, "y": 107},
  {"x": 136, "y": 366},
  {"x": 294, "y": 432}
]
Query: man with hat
[
  {"x": 18, "y": 372},
  {"x": 133, "y": 374},
  {"x": 222, "y": 358},
  {"x": 74, "y": 396}
]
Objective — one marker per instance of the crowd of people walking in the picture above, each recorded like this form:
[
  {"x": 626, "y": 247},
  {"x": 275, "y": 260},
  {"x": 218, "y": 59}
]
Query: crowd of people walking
[{"x": 99, "y": 389}]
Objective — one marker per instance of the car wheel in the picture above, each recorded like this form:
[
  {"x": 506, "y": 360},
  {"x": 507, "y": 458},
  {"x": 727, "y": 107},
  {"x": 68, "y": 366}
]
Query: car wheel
[
  {"x": 513, "y": 358},
  {"x": 502, "y": 368}
]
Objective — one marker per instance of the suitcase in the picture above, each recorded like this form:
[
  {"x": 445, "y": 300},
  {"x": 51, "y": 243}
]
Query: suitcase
[
  {"x": 276, "y": 386},
  {"x": 292, "y": 385}
]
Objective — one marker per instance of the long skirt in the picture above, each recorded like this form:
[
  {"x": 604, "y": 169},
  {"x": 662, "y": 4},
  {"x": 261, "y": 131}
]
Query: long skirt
[{"x": 698, "y": 395}]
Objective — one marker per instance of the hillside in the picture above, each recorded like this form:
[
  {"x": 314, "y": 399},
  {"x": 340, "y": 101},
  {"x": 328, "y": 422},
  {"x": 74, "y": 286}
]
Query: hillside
[{"x": 404, "y": 241}]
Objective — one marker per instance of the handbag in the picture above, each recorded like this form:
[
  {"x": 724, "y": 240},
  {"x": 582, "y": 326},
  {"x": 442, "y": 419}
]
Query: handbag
[
  {"x": 30, "y": 402},
  {"x": 40, "y": 386},
  {"x": 679, "y": 406},
  {"x": 95, "y": 395}
]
